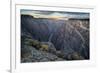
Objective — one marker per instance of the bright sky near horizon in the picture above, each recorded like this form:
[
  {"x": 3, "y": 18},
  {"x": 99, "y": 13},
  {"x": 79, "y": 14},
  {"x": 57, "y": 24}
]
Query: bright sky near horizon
[{"x": 55, "y": 14}]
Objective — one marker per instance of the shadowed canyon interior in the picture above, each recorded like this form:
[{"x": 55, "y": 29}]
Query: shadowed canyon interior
[{"x": 54, "y": 38}]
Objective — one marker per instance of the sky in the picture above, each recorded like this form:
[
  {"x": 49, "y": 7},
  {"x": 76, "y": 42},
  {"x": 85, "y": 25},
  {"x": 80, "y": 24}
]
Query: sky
[{"x": 55, "y": 14}]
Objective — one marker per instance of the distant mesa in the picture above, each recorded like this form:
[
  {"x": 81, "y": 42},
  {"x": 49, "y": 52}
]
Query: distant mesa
[
  {"x": 26, "y": 16},
  {"x": 54, "y": 17}
]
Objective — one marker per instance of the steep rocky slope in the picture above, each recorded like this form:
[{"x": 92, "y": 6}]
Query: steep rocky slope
[{"x": 57, "y": 39}]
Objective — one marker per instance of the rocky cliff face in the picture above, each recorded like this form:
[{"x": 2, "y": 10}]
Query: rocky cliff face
[{"x": 57, "y": 39}]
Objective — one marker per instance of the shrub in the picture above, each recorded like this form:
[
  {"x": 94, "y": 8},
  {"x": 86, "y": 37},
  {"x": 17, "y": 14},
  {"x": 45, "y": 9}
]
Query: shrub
[
  {"x": 34, "y": 43},
  {"x": 44, "y": 47}
]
